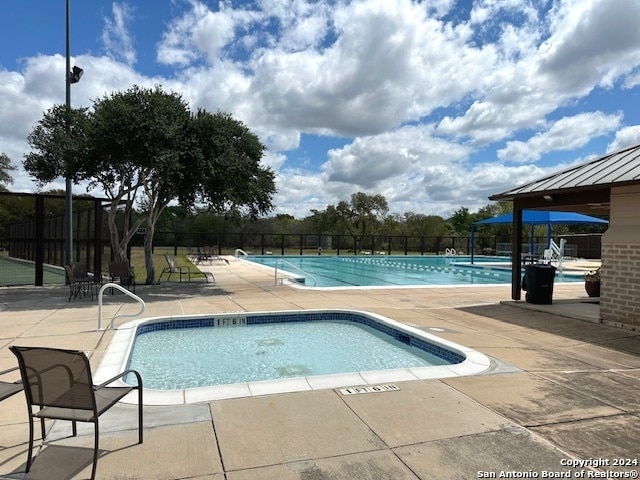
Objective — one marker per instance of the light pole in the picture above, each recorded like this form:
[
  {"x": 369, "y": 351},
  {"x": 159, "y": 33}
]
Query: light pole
[{"x": 71, "y": 76}]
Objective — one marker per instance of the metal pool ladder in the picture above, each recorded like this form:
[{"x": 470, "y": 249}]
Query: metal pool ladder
[{"x": 306, "y": 274}]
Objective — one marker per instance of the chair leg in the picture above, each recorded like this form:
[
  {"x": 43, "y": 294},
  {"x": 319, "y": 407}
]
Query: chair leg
[
  {"x": 30, "y": 454},
  {"x": 95, "y": 451},
  {"x": 140, "y": 422}
]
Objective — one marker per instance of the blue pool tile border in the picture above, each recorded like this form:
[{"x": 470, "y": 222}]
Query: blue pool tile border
[{"x": 450, "y": 356}]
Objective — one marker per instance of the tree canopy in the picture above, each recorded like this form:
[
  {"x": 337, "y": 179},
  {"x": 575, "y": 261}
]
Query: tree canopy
[{"x": 144, "y": 145}]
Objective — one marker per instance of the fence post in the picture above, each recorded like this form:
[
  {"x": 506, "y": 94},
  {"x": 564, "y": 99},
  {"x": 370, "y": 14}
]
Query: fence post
[
  {"x": 39, "y": 253},
  {"x": 97, "y": 235}
]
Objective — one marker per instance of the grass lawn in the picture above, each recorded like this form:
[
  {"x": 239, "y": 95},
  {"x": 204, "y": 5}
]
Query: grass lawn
[{"x": 160, "y": 262}]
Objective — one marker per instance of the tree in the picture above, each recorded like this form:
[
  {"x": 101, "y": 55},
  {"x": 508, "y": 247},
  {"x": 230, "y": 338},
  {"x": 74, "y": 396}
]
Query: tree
[
  {"x": 138, "y": 142},
  {"x": 145, "y": 146},
  {"x": 5, "y": 168},
  {"x": 58, "y": 143},
  {"x": 323, "y": 221},
  {"x": 363, "y": 214},
  {"x": 422, "y": 225},
  {"x": 461, "y": 221},
  {"x": 227, "y": 173}
]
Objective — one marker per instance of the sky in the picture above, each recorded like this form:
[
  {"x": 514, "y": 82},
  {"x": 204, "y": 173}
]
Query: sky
[{"x": 434, "y": 104}]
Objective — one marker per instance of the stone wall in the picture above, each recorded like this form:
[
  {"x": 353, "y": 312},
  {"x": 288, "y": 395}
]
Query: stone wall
[{"x": 620, "y": 273}]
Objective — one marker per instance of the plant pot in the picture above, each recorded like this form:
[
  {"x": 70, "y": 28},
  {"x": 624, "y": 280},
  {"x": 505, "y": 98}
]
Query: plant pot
[{"x": 592, "y": 288}]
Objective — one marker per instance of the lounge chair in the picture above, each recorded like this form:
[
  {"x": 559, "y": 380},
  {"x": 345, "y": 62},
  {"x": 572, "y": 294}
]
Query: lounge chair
[
  {"x": 122, "y": 272},
  {"x": 8, "y": 389},
  {"x": 59, "y": 384},
  {"x": 172, "y": 267}
]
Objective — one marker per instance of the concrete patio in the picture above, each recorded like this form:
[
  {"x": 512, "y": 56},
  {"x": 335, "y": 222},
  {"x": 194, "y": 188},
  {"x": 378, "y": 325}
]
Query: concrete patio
[{"x": 562, "y": 388}]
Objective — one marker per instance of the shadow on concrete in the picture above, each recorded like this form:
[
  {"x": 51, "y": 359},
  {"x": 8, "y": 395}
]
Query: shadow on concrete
[
  {"x": 56, "y": 296},
  {"x": 579, "y": 330}
]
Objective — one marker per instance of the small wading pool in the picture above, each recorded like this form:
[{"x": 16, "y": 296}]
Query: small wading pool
[{"x": 187, "y": 359}]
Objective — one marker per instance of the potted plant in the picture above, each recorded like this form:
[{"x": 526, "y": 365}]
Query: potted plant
[{"x": 592, "y": 282}]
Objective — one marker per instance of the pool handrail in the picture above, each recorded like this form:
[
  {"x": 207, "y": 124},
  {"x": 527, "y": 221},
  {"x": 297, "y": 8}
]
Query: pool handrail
[
  {"x": 123, "y": 290},
  {"x": 281, "y": 260},
  {"x": 239, "y": 252}
]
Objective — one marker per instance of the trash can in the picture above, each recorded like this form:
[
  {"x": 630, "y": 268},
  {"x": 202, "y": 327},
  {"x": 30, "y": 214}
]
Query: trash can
[{"x": 538, "y": 283}]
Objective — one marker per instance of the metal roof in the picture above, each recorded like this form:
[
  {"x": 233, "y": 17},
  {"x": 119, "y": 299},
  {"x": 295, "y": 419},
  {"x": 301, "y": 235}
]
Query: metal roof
[{"x": 617, "y": 168}]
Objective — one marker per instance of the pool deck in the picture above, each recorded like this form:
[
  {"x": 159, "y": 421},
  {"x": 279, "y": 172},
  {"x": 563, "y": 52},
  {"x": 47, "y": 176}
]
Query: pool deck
[{"x": 562, "y": 387}]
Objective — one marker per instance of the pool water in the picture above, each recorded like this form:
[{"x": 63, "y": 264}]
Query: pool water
[
  {"x": 388, "y": 271},
  {"x": 195, "y": 357}
]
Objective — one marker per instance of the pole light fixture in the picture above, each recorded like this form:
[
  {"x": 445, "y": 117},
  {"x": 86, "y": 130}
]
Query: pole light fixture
[{"x": 75, "y": 74}]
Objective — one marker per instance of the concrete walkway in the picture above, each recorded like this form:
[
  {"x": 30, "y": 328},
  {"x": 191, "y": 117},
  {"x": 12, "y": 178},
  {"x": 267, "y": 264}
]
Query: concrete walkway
[{"x": 561, "y": 390}]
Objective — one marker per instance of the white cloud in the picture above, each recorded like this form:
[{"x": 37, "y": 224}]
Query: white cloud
[
  {"x": 390, "y": 64},
  {"x": 593, "y": 43},
  {"x": 625, "y": 137},
  {"x": 202, "y": 34},
  {"x": 370, "y": 161},
  {"x": 116, "y": 37},
  {"x": 633, "y": 80},
  {"x": 566, "y": 134}
]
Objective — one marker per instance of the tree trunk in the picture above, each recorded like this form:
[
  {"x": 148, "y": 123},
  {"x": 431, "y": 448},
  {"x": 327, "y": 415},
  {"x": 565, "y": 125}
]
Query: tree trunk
[{"x": 119, "y": 250}]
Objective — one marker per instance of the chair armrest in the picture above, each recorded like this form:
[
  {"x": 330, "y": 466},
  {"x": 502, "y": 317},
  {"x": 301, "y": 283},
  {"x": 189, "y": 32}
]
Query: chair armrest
[
  {"x": 120, "y": 375},
  {"x": 12, "y": 369}
]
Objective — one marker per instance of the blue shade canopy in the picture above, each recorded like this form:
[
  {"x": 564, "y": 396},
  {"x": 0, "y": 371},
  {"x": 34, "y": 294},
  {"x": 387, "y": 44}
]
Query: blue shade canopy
[{"x": 543, "y": 217}]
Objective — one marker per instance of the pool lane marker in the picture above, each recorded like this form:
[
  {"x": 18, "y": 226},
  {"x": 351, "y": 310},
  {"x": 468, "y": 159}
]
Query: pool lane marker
[{"x": 390, "y": 387}]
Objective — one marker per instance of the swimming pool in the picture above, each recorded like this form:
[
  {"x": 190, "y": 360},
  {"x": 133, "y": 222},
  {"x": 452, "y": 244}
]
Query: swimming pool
[
  {"x": 394, "y": 271},
  {"x": 415, "y": 354}
]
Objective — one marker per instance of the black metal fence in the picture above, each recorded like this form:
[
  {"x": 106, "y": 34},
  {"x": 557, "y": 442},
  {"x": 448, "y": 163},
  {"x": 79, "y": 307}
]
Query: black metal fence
[
  {"x": 310, "y": 244},
  {"x": 32, "y": 243},
  {"x": 584, "y": 246}
]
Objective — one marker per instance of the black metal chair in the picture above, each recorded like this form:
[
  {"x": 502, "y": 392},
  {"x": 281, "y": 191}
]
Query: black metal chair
[
  {"x": 59, "y": 384},
  {"x": 80, "y": 283},
  {"x": 122, "y": 272}
]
